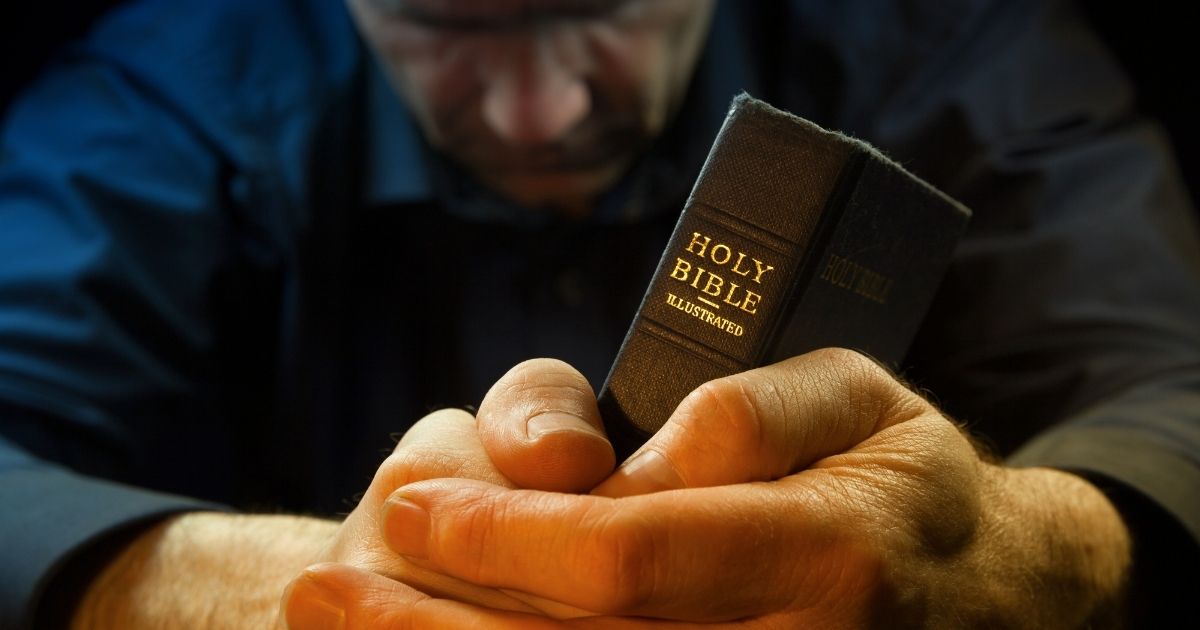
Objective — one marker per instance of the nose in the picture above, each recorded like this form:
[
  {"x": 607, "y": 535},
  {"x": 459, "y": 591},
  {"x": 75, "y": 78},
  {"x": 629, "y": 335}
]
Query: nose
[{"x": 535, "y": 91}]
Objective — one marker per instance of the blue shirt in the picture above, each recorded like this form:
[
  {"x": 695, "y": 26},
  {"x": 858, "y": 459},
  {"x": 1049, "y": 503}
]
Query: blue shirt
[{"x": 230, "y": 267}]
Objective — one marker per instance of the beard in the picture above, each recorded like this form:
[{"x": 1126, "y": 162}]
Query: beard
[
  {"x": 588, "y": 148},
  {"x": 607, "y": 136},
  {"x": 567, "y": 174}
]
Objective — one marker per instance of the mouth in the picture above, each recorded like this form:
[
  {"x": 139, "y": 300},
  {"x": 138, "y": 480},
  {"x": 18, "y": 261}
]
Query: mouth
[
  {"x": 564, "y": 177},
  {"x": 551, "y": 160},
  {"x": 582, "y": 152}
]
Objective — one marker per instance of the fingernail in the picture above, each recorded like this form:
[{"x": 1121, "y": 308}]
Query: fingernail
[
  {"x": 646, "y": 472},
  {"x": 407, "y": 527},
  {"x": 311, "y": 606},
  {"x": 554, "y": 421}
]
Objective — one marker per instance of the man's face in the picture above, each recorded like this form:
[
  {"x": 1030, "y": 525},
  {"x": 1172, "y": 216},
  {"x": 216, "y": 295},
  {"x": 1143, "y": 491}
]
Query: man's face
[{"x": 547, "y": 101}]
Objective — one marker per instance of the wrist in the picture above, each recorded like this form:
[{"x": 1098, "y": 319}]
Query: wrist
[
  {"x": 1067, "y": 554},
  {"x": 203, "y": 569},
  {"x": 1155, "y": 597}
]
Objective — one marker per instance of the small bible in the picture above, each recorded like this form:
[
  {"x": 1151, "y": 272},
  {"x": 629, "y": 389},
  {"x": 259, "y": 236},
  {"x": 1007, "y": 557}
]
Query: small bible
[{"x": 793, "y": 238}]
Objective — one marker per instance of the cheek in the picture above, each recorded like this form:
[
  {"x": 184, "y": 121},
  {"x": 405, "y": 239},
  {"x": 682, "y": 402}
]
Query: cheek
[
  {"x": 436, "y": 77},
  {"x": 446, "y": 85},
  {"x": 650, "y": 52},
  {"x": 631, "y": 73}
]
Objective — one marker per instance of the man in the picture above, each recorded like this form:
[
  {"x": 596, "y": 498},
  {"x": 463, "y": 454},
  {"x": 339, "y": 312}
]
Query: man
[{"x": 233, "y": 264}]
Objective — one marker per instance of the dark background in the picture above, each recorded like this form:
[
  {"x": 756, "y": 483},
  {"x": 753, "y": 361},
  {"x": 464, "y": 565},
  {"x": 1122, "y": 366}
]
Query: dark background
[{"x": 1153, "y": 40}]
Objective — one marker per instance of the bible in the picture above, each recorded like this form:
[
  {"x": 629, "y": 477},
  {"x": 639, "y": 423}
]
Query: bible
[{"x": 793, "y": 238}]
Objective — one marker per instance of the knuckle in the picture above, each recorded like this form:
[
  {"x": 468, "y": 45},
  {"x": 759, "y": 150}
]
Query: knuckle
[
  {"x": 621, "y": 556},
  {"x": 732, "y": 402},
  {"x": 719, "y": 434},
  {"x": 869, "y": 387},
  {"x": 395, "y": 471},
  {"x": 471, "y": 538},
  {"x": 850, "y": 363},
  {"x": 411, "y": 465}
]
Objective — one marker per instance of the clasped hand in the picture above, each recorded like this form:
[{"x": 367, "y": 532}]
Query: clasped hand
[{"x": 814, "y": 493}]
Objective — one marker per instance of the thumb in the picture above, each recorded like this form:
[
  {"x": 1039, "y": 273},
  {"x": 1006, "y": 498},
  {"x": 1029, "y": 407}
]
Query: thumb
[
  {"x": 541, "y": 428},
  {"x": 767, "y": 423}
]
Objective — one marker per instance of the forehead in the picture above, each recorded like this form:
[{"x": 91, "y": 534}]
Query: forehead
[{"x": 498, "y": 10}]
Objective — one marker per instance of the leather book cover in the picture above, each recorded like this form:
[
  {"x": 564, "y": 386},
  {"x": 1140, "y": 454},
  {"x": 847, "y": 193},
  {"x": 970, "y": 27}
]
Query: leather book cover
[{"x": 794, "y": 238}]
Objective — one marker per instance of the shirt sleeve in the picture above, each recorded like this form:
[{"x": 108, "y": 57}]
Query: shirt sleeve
[
  {"x": 112, "y": 230},
  {"x": 1067, "y": 332}
]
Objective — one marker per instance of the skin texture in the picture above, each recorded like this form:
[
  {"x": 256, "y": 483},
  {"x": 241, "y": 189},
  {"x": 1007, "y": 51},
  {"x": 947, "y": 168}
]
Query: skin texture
[
  {"x": 545, "y": 433},
  {"x": 547, "y": 102},
  {"x": 210, "y": 570},
  {"x": 818, "y": 492},
  {"x": 202, "y": 570}
]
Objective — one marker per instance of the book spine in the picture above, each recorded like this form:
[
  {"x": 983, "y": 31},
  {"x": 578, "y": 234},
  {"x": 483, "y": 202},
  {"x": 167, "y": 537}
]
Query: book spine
[
  {"x": 725, "y": 277},
  {"x": 794, "y": 238},
  {"x": 874, "y": 267}
]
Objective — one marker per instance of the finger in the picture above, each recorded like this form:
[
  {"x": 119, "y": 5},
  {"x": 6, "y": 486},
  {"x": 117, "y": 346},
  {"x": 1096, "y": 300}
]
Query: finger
[
  {"x": 432, "y": 582},
  {"x": 444, "y": 443},
  {"x": 540, "y": 425},
  {"x": 767, "y": 423},
  {"x": 337, "y": 596},
  {"x": 696, "y": 555},
  {"x": 334, "y": 596}
]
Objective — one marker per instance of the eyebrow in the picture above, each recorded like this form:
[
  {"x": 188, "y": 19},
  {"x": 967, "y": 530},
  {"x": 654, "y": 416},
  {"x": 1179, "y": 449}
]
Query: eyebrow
[{"x": 522, "y": 15}]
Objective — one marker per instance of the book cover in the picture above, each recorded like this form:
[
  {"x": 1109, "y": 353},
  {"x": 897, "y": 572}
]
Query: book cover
[{"x": 793, "y": 238}]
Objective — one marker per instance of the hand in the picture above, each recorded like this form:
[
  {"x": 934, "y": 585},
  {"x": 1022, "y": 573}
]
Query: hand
[
  {"x": 529, "y": 434},
  {"x": 200, "y": 570},
  {"x": 818, "y": 492}
]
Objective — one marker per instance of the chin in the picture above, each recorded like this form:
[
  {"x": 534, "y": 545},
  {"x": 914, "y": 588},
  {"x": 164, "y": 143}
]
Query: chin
[{"x": 573, "y": 190}]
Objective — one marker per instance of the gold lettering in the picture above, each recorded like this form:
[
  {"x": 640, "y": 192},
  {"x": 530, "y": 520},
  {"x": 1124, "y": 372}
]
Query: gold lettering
[
  {"x": 831, "y": 275},
  {"x": 728, "y": 296},
  {"x": 696, "y": 241},
  {"x": 761, "y": 270},
  {"x": 704, "y": 315},
  {"x": 873, "y": 286},
  {"x": 851, "y": 276},
  {"x": 838, "y": 269},
  {"x": 711, "y": 284},
  {"x": 750, "y": 303},
  {"x": 714, "y": 284},
  {"x": 827, "y": 273},
  {"x": 682, "y": 267},
  {"x": 718, "y": 247},
  {"x": 737, "y": 266}
]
